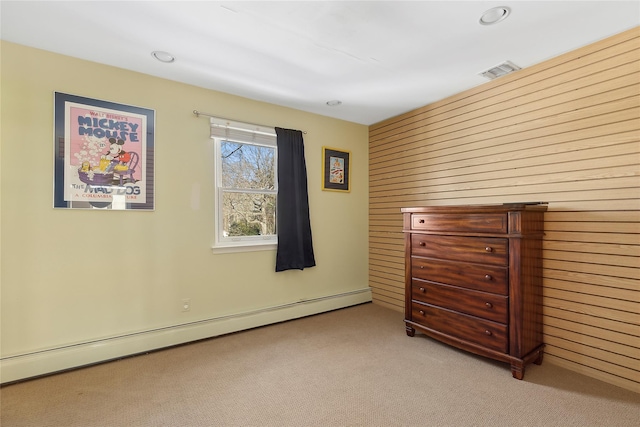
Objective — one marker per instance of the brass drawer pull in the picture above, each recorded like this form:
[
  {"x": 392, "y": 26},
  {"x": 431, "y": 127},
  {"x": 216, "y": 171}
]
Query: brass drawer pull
[
  {"x": 488, "y": 277},
  {"x": 423, "y": 290},
  {"x": 422, "y": 312},
  {"x": 488, "y": 249},
  {"x": 487, "y": 332},
  {"x": 488, "y": 304},
  {"x": 422, "y": 244}
]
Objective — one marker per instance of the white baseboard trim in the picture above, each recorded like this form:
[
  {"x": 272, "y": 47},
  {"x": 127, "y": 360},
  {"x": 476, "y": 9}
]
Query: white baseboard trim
[{"x": 48, "y": 361}]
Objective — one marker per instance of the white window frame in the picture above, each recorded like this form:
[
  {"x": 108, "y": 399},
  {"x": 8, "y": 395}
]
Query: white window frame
[{"x": 223, "y": 244}]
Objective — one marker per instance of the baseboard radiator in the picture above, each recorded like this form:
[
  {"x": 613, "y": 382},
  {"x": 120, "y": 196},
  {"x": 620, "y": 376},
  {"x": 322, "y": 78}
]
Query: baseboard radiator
[{"x": 48, "y": 361}]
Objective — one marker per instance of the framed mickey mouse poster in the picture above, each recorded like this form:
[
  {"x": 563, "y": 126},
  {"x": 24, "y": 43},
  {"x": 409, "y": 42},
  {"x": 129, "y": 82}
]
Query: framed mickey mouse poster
[{"x": 103, "y": 154}]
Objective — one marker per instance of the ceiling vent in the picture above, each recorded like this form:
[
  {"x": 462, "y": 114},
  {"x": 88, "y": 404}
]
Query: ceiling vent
[{"x": 500, "y": 70}]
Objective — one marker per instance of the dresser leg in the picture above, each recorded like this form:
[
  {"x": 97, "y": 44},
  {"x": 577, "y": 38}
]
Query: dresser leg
[
  {"x": 538, "y": 360},
  {"x": 517, "y": 371},
  {"x": 410, "y": 331}
]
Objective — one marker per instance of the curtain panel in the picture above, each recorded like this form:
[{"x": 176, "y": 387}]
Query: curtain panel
[{"x": 295, "y": 245}]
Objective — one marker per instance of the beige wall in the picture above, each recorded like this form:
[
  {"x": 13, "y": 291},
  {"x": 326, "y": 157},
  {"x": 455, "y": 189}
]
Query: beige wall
[
  {"x": 566, "y": 131},
  {"x": 74, "y": 276}
]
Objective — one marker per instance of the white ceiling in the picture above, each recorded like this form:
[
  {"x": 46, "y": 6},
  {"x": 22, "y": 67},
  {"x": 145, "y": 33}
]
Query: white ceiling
[{"x": 380, "y": 58}]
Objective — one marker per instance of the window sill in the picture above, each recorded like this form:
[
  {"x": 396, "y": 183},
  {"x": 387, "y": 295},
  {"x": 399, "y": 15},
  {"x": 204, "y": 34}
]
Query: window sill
[{"x": 251, "y": 247}]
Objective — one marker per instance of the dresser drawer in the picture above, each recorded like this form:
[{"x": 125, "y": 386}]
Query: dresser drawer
[
  {"x": 463, "y": 222},
  {"x": 482, "y": 332},
  {"x": 484, "y": 250},
  {"x": 480, "y": 304},
  {"x": 486, "y": 278}
]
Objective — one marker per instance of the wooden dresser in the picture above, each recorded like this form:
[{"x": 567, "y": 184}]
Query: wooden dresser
[{"x": 474, "y": 279}]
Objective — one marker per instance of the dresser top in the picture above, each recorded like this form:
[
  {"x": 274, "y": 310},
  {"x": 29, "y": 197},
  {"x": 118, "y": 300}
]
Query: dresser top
[{"x": 505, "y": 207}]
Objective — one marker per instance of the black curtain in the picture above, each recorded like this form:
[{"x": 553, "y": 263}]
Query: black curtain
[{"x": 295, "y": 246}]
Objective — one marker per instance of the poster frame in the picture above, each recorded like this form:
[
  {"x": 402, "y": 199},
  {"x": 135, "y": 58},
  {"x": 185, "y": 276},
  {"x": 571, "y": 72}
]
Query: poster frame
[{"x": 116, "y": 171}]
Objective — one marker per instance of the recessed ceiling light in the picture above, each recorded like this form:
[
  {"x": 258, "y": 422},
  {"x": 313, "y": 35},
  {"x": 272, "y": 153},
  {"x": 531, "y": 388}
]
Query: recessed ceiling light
[
  {"x": 163, "y": 56},
  {"x": 495, "y": 15},
  {"x": 334, "y": 103}
]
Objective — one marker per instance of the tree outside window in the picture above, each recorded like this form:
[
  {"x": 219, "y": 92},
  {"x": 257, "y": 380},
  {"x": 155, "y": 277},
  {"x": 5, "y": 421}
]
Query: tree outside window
[{"x": 247, "y": 189}]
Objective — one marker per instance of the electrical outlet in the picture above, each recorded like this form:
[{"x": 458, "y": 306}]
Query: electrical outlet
[{"x": 186, "y": 304}]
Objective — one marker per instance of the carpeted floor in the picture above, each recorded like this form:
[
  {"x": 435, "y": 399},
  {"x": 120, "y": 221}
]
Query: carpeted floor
[{"x": 350, "y": 367}]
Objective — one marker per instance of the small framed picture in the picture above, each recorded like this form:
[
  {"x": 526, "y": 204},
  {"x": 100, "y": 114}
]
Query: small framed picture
[{"x": 336, "y": 169}]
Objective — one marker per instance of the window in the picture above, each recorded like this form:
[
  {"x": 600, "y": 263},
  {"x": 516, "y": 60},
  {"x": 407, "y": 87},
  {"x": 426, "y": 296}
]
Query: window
[{"x": 246, "y": 188}]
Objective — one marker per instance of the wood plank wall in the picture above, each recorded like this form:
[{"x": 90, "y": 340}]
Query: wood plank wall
[{"x": 566, "y": 131}]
